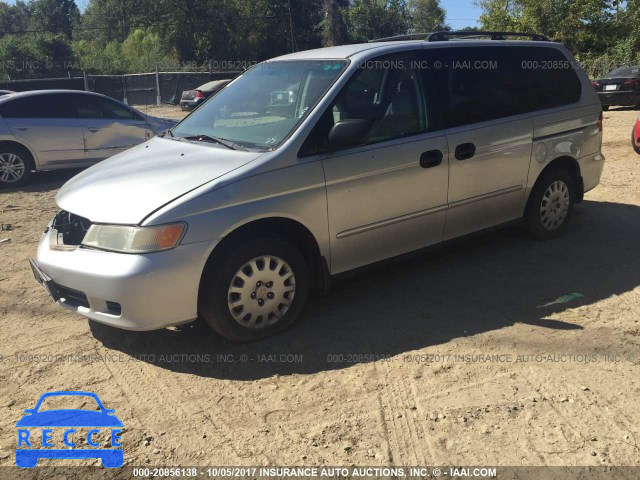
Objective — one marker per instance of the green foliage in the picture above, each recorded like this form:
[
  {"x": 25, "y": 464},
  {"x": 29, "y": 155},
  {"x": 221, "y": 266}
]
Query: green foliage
[
  {"x": 38, "y": 55},
  {"x": 427, "y": 16},
  {"x": 55, "y": 16},
  {"x": 370, "y": 19},
  {"x": 334, "y": 28},
  {"x": 602, "y": 34},
  {"x": 52, "y": 37}
]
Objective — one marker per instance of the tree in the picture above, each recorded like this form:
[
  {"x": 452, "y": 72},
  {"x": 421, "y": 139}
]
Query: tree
[
  {"x": 38, "y": 55},
  {"x": 370, "y": 19},
  {"x": 427, "y": 16},
  {"x": 14, "y": 18},
  {"x": 334, "y": 29},
  {"x": 55, "y": 16}
]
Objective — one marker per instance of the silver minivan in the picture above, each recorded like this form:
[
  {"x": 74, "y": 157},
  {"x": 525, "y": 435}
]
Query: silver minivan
[{"x": 319, "y": 162}]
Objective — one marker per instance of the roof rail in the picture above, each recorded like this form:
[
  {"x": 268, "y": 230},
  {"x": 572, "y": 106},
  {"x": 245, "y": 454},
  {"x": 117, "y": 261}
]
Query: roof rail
[
  {"x": 469, "y": 34},
  {"x": 400, "y": 38},
  {"x": 444, "y": 35}
]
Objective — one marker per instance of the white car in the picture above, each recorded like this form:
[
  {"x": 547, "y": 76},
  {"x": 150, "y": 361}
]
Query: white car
[{"x": 53, "y": 129}]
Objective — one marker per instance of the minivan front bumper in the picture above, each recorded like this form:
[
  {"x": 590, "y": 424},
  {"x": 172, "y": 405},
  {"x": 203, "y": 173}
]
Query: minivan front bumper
[{"x": 133, "y": 292}]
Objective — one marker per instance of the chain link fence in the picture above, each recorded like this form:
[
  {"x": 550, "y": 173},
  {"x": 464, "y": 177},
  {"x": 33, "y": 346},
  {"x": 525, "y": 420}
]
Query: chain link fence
[{"x": 135, "y": 89}]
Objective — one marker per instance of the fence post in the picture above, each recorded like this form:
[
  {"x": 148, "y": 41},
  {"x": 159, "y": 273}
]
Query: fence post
[
  {"x": 158, "y": 96},
  {"x": 124, "y": 89},
  {"x": 86, "y": 81}
]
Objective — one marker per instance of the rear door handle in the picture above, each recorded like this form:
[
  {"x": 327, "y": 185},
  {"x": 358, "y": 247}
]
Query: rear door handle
[
  {"x": 22, "y": 129},
  {"x": 465, "y": 151},
  {"x": 93, "y": 129},
  {"x": 431, "y": 158}
]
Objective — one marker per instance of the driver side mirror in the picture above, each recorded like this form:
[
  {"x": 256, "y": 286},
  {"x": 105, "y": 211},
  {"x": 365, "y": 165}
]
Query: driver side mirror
[{"x": 348, "y": 133}]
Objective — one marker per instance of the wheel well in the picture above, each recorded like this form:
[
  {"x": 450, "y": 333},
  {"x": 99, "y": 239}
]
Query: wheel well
[
  {"x": 572, "y": 166},
  {"x": 291, "y": 230},
  {"x": 11, "y": 143}
]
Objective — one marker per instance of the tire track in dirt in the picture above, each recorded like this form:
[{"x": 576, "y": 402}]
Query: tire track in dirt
[
  {"x": 402, "y": 421},
  {"x": 168, "y": 407}
]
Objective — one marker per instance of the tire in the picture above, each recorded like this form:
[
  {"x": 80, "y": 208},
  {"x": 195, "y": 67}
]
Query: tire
[
  {"x": 605, "y": 108},
  {"x": 633, "y": 141},
  {"x": 557, "y": 187},
  {"x": 233, "y": 287},
  {"x": 16, "y": 164}
]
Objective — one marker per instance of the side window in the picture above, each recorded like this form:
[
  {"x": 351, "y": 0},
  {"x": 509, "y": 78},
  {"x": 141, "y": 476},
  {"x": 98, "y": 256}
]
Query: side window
[
  {"x": 474, "y": 83},
  {"x": 95, "y": 107},
  {"x": 386, "y": 92},
  {"x": 55, "y": 105},
  {"x": 26, "y": 107},
  {"x": 58, "y": 105},
  {"x": 478, "y": 84},
  {"x": 544, "y": 78}
]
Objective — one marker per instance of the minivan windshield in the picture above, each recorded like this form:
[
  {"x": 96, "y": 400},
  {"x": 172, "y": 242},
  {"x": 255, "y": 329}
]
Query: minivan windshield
[{"x": 264, "y": 105}]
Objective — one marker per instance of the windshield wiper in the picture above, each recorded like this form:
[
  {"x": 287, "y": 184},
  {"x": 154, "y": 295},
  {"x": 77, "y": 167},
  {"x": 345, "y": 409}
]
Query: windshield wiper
[{"x": 221, "y": 141}]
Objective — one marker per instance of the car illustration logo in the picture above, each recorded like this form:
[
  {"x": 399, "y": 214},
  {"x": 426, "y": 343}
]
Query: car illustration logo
[{"x": 100, "y": 423}]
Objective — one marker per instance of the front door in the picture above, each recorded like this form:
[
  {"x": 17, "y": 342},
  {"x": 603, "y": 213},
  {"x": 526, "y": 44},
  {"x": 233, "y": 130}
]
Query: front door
[
  {"x": 109, "y": 127},
  {"x": 388, "y": 196}
]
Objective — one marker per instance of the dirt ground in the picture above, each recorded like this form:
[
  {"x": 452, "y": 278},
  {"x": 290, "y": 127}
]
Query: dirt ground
[{"x": 493, "y": 351}]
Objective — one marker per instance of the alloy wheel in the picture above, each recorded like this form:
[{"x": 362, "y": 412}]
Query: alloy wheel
[{"x": 12, "y": 167}]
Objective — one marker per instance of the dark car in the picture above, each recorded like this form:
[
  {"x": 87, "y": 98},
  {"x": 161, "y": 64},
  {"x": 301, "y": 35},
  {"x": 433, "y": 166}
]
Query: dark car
[
  {"x": 619, "y": 87},
  {"x": 192, "y": 98}
]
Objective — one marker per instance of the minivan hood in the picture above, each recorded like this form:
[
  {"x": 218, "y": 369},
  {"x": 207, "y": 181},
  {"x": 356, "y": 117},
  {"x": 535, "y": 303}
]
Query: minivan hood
[{"x": 127, "y": 187}]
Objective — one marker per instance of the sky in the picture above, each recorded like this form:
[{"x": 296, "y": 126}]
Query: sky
[{"x": 461, "y": 13}]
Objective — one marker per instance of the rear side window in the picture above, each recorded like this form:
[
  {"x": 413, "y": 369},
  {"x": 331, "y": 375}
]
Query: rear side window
[
  {"x": 89, "y": 106},
  {"x": 55, "y": 105},
  {"x": 478, "y": 84},
  {"x": 546, "y": 78}
]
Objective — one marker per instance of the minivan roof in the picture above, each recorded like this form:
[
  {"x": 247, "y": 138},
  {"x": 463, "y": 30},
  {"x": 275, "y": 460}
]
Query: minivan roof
[{"x": 360, "y": 50}]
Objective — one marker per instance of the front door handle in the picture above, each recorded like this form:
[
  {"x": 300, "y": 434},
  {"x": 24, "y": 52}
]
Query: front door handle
[
  {"x": 431, "y": 158},
  {"x": 465, "y": 151},
  {"x": 93, "y": 129},
  {"x": 22, "y": 129}
]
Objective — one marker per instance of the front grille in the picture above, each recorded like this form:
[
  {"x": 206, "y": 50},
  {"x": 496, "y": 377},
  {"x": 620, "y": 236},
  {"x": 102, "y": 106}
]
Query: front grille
[
  {"x": 71, "y": 228},
  {"x": 72, "y": 297}
]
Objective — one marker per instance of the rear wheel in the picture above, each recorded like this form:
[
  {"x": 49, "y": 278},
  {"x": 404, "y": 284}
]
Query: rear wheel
[
  {"x": 256, "y": 290},
  {"x": 550, "y": 205},
  {"x": 16, "y": 164}
]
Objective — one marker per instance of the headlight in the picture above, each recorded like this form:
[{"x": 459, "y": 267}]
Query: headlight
[{"x": 120, "y": 238}]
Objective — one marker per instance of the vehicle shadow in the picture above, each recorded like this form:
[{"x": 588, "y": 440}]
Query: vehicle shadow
[
  {"x": 45, "y": 181},
  {"x": 473, "y": 286}
]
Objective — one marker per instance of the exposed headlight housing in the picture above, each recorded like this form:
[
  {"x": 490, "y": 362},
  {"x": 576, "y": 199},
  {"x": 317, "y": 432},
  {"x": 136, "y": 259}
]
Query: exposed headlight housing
[{"x": 128, "y": 239}]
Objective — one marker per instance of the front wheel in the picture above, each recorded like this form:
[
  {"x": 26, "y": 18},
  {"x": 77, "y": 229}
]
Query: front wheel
[
  {"x": 550, "y": 205},
  {"x": 256, "y": 290}
]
